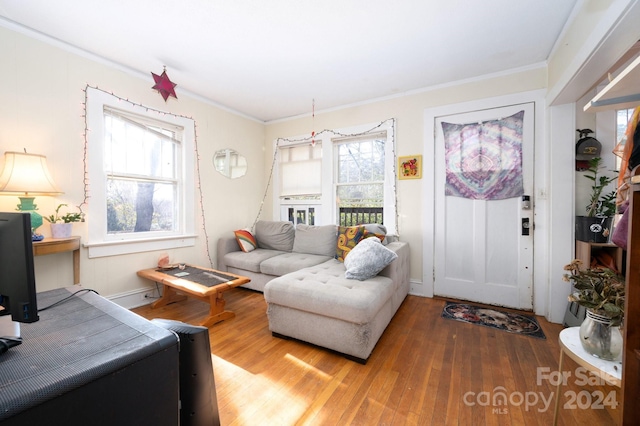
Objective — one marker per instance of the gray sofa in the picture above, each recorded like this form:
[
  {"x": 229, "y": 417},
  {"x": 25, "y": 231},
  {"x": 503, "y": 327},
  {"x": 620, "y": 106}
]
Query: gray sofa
[{"x": 312, "y": 296}]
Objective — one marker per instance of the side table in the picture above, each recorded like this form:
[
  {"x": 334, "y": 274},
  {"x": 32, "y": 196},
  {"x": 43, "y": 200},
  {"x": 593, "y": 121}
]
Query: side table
[
  {"x": 610, "y": 371},
  {"x": 60, "y": 245}
]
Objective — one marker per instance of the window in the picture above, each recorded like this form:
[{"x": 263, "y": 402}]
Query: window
[
  {"x": 141, "y": 164},
  {"x": 140, "y": 167},
  {"x": 622, "y": 120},
  {"x": 360, "y": 168},
  {"x": 347, "y": 178}
]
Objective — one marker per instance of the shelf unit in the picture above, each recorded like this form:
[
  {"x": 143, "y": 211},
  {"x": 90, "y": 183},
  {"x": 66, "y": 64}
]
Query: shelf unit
[{"x": 584, "y": 251}]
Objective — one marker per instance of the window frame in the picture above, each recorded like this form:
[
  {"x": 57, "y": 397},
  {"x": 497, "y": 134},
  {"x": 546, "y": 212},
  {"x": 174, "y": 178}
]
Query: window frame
[{"x": 99, "y": 242}]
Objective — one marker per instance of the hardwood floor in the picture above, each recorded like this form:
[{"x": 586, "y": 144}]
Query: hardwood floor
[{"x": 425, "y": 370}]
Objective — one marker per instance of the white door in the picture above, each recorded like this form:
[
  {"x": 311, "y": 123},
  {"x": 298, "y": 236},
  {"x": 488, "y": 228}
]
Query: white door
[{"x": 481, "y": 253}]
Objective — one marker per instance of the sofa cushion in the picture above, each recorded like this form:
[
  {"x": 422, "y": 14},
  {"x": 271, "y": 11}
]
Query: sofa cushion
[
  {"x": 275, "y": 235},
  {"x": 324, "y": 290},
  {"x": 246, "y": 240},
  {"x": 319, "y": 240},
  {"x": 367, "y": 258},
  {"x": 348, "y": 237},
  {"x": 249, "y": 261},
  {"x": 290, "y": 262}
]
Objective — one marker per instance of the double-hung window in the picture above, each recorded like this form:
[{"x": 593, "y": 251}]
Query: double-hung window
[
  {"x": 360, "y": 171},
  {"x": 346, "y": 178},
  {"x": 140, "y": 178}
]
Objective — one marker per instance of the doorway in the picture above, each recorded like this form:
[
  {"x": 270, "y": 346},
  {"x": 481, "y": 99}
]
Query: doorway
[{"x": 483, "y": 249}]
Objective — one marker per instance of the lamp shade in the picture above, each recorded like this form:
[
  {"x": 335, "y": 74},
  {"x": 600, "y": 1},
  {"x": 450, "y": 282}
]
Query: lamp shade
[{"x": 26, "y": 174}]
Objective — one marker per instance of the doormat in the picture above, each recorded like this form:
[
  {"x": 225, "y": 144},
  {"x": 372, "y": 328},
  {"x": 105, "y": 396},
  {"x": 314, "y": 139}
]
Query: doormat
[{"x": 502, "y": 320}]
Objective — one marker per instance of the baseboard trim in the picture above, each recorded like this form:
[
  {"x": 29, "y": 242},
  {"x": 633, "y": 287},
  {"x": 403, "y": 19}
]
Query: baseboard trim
[{"x": 135, "y": 298}]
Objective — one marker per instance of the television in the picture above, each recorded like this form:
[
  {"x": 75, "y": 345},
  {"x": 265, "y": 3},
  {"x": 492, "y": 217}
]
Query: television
[{"x": 17, "y": 278}]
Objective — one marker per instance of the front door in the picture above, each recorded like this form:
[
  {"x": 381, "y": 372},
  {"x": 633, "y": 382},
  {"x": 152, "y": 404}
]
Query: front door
[{"x": 484, "y": 247}]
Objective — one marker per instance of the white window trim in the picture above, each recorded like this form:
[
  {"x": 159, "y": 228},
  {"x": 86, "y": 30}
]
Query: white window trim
[
  {"x": 328, "y": 211},
  {"x": 99, "y": 244}
]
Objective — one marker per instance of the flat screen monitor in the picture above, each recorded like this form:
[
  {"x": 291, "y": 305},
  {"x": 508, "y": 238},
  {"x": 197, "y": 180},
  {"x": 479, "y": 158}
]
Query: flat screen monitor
[{"x": 17, "y": 277}]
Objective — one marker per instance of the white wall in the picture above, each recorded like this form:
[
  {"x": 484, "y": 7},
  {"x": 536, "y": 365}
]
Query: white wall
[{"x": 41, "y": 87}]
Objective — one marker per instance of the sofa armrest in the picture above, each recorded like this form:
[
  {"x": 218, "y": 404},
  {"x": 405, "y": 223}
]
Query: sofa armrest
[
  {"x": 399, "y": 270},
  {"x": 225, "y": 245}
]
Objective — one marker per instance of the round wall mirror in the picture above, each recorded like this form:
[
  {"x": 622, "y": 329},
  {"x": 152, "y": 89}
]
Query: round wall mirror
[{"x": 230, "y": 163}]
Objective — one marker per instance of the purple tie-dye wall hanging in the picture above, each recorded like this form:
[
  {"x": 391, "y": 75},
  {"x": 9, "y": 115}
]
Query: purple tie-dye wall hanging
[{"x": 484, "y": 160}]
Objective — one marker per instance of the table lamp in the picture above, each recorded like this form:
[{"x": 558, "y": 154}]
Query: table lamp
[{"x": 27, "y": 175}]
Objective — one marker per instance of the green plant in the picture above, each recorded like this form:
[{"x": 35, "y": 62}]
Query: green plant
[
  {"x": 599, "y": 289},
  {"x": 66, "y": 218},
  {"x": 600, "y": 205}
]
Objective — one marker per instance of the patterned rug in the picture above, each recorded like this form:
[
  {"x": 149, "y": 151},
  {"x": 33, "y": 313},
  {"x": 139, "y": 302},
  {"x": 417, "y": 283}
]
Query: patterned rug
[{"x": 502, "y": 320}]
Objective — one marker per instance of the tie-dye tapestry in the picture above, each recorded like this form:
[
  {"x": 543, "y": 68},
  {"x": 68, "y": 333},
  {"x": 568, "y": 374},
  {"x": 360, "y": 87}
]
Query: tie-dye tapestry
[{"x": 484, "y": 160}]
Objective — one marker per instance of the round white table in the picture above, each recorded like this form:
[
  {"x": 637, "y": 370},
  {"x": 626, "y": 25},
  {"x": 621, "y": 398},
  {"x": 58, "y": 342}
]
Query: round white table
[{"x": 610, "y": 371}]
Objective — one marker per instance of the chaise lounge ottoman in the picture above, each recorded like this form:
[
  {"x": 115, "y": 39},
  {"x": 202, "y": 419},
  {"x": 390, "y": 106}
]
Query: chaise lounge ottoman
[{"x": 320, "y": 305}]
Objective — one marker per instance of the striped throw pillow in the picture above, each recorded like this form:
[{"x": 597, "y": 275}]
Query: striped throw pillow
[{"x": 246, "y": 240}]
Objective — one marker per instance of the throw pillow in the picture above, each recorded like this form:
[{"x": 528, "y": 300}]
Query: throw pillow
[
  {"x": 348, "y": 237},
  {"x": 367, "y": 259},
  {"x": 369, "y": 234},
  {"x": 246, "y": 240},
  {"x": 320, "y": 240},
  {"x": 275, "y": 235},
  {"x": 379, "y": 230}
]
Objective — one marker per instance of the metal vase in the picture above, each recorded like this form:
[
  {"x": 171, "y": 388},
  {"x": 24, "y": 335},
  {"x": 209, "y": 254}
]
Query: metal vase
[{"x": 599, "y": 337}]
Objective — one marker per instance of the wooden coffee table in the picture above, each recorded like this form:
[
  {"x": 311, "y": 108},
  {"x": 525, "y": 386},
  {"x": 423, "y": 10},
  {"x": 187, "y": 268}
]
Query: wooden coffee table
[{"x": 205, "y": 284}]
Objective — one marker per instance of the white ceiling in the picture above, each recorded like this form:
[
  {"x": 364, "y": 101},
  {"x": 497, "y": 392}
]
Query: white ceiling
[{"x": 268, "y": 59}]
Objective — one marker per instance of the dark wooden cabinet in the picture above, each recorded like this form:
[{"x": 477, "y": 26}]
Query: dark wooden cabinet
[{"x": 631, "y": 331}]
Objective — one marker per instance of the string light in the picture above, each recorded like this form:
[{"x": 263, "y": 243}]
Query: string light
[
  {"x": 163, "y": 113},
  {"x": 313, "y": 122},
  {"x": 335, "y": 133}
]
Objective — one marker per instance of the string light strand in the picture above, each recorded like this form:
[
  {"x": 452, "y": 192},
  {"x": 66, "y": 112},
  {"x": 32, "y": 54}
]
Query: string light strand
[
  {"x": 157, "y": 111},
  {"x": 288, "y": 141}
]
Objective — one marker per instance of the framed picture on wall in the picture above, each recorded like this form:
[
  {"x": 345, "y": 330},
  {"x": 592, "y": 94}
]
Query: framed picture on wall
[{"x": 410, "y": 167}]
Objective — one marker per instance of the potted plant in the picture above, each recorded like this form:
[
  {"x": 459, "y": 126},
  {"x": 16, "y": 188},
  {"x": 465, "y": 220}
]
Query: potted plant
[
  {"x": 596, "y": 225},
  {"x": 601, "y": 291},
  {"x": 61, "y": 226}
]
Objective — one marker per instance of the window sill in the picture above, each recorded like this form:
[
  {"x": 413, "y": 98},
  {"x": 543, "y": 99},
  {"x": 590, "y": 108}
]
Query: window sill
[{"x": 116, "y": 248}]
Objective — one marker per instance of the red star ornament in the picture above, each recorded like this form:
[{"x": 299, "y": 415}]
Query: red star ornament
[{"x": 164, "y": 85}]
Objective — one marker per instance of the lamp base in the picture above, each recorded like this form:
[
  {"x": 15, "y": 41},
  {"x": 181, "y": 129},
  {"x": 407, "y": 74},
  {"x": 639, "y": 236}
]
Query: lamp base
[{"x": 26, "y": 205}]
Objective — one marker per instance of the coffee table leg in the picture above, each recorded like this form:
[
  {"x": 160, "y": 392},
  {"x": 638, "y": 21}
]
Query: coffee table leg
[
  {"x": 169, "y": 295},
  {"x": 216, "y": 310}
]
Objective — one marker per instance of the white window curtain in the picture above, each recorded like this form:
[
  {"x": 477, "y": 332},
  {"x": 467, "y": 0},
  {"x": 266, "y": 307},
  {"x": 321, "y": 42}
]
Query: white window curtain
[{"x": 300, "y": 170}]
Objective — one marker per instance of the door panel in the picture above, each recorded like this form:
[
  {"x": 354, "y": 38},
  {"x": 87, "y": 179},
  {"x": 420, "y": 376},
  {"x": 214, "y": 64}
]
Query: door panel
[{"x": 480, "y": 254}]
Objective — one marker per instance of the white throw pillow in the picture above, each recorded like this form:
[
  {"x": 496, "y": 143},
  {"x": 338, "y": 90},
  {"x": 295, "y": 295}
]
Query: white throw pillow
[{"x": 367, "y": 258}]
